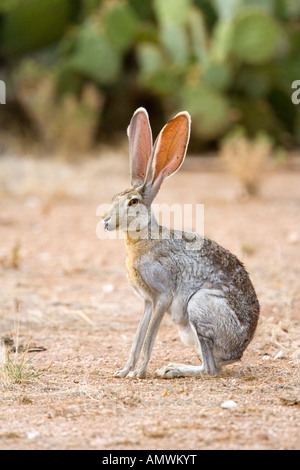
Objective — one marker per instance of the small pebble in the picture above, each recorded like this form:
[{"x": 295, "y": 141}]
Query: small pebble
[
  {"x": 33, "y": 435},
  {"x": 293, "y": 237},
  {"x": 229, "y": 404},
  {"x": 109, "y": 288},
  {"x": 33, "y": 202},
  {"x": 280, "y": 355},
  {"x": 266, "y": 357}
]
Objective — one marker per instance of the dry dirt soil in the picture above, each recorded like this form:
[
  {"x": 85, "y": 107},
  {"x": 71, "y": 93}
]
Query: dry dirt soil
[{"x": 65, "y": 296}]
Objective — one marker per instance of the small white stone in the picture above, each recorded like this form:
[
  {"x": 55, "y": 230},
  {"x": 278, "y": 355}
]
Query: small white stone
[
  {"x": 266, "y": 357},
  {"x": 280, "y": 355},
  {"x": 33, "y": 435},
  {"x": 33, "y": 202},
  {"x": 229, "y": 404},
  {"x": 109, "y": 288},
  {"x": 293, "y": 237}
]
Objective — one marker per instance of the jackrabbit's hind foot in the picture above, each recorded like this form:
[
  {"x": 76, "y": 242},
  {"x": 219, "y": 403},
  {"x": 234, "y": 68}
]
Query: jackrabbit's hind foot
[{"x": 172, "y": 371}]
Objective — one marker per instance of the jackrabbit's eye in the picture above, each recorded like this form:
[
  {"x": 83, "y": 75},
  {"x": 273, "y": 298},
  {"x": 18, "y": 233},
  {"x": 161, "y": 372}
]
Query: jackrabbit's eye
[{"x": 133, "y": 202}]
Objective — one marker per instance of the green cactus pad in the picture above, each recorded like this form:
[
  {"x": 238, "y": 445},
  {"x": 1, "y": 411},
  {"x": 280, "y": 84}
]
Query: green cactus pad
[
  {"x": 209, "y": 110},
  {"x": 95, "y": 57},
  {"x": 256, "y": 37},
  {"x": 33, "y": 24},
  {"x": 175, "y": 41},
  {"x": 172, "y": 11},
  {"x": 121, "y": 24}
]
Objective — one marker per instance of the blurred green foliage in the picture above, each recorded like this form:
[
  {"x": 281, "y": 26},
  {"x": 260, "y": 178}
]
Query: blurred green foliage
[{"x": 227, "y": 62}]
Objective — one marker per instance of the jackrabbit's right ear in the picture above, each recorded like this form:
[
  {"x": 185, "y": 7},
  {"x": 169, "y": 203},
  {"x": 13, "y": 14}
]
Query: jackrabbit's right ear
[
  {"x": 169, "y": 152},
  {"x": 140, "y": 145}
]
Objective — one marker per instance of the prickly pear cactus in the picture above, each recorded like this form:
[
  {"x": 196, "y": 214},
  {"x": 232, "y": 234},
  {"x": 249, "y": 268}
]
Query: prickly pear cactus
[
  {"x": 121, "y": 25},
  {"x": 209, "y": 109},
  {"x": 256, "y": 37},
  {"x": 33, "y": 24},
  {"x": 172, "y": 11},
  {"x": 95, "y": 57}
]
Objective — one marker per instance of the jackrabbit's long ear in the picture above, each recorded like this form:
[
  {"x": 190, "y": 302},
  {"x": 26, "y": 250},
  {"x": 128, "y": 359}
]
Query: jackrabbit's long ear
[
  {"x": 169, "y": 151},
  {"x": 140, "y": 145}
]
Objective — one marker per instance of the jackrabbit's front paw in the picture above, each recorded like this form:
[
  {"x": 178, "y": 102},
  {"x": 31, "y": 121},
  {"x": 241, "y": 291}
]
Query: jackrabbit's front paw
[
  {"x": 121, "y": 373},
  {"x": 138, "y": 373}
]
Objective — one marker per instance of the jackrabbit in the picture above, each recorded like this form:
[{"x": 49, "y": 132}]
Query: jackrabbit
[{"x": 203, "y": 287}]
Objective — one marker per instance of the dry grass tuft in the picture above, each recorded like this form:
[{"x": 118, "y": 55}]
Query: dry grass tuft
[
  {"x": 16, "y": 368},
  {"x": 66, "y": 125},
  {"x": 247, "y": 159},
  {"x": 15, "y": 361}
]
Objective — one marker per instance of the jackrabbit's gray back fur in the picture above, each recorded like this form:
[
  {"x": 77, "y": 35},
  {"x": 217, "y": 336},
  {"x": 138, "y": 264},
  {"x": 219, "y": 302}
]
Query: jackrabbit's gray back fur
[{"x": 204, "y": 287}]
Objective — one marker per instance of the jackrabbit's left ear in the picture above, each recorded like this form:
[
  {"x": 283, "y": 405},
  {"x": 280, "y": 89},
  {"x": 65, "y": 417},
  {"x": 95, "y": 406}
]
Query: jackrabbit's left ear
[
  {"x": 169, "y": 151},
  {"x": 140, "y": 145}
]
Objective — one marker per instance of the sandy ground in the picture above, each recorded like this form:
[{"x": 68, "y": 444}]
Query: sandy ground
[{"x": 65, "y": 291}]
